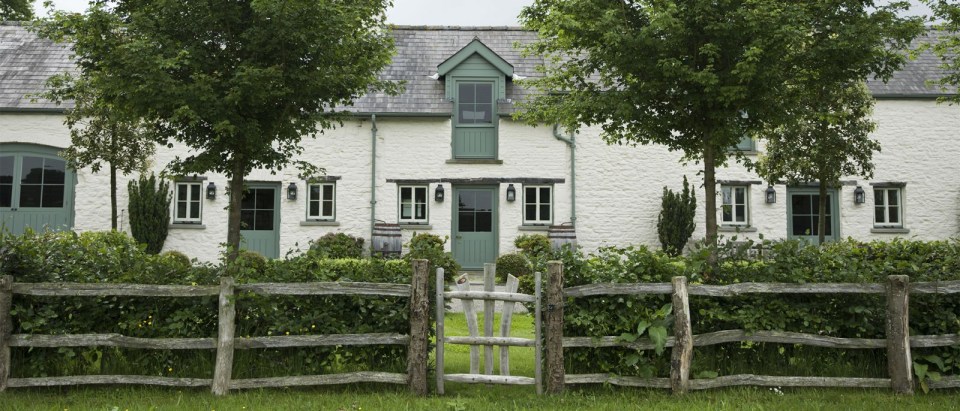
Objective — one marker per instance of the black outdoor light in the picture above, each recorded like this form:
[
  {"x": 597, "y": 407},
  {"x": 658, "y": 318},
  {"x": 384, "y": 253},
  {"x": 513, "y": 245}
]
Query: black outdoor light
[
  {"x": 771, "y": 194},
  {"x": 438, "y": 193},
  {"x": 211, "y": 191},
  {"x": 511, "y": 193},
  {"x": 859, "y": 197},
  {"x": 292, "y": 191}
]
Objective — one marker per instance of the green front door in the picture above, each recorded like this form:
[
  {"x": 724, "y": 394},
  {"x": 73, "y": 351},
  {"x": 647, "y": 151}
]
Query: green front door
[
  {"x": 803, "y": 214},
  {"x": 260, "y": 219},
  {"x": 36, "y": 189},
  {"x": 475, "y": 226}
]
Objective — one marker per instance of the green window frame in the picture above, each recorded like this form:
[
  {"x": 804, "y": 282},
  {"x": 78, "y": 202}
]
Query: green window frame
[
  {"x": 735, "y": 205},
  {"x": 537, "y": 205},
  {"x": 476, "y": 105},
  {"x": 322, "y": 202},
  {"x": 188, "y": 202},
  {"x": 888, "y": 207},
  {"x": 413, "y": 205},
  {"x": 746, "y": 144}
]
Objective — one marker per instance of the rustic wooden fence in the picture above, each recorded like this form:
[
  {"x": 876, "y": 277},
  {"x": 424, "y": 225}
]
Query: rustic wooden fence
[
  {"x": 898, "y": 342},
  {"x": 225, "y": 343}
]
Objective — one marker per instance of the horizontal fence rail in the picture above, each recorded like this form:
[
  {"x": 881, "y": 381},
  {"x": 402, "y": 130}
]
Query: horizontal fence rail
[
  {"x": 897, "y": 343},
  {"x": 225, "y": 343}
]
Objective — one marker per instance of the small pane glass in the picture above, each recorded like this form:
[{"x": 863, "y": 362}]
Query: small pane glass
[
  {"x": 531, "y": 212},
  {"x": 406, "y": 211},
  {"x": 52, "y": 196},
  {"x": 314, "y": 208},
  {"x": 328, "y": 192},
  {"x": 484, "y": 222},
  {"x": 420, "y": 195},
  {"x": 726, "y": 194},
  {"x": 181, "y": 209},
  {"x": 6, "y": 195},
  {"x": 740, "y": 195},
  {"x": 484, "y": 201},
  {"x": 195, "y": 192},
  {"x": 314, "y": 194},
  {"x": 741, "y": 213},
  {"x": 31, "y": 172},
  {"x": 328, "y": 208},
  {"x": 465, "y": 222},
  {"x": 800, "y": 203},
  {"x": 467, "y": 93},
  {"x": 264, "y": 220},
  {"x": 879, "y": 215},
  {"x": 467, "y": 201},
  {"x": 264, "y": 199},
  {"x": 248, "y": 202},
  {"x": 484, "y": 93},
  {"x": 421, "y": 211},
  {"x": 878, "y": 197},
  {"x": 30, "y": 195},
  {"x": 530, "y": 195},
  {"x": 181, "y": 192},
  {"x": 6, "y": 170},
  {"x": 246, "y": 219},
  {"x": 54, "y": 171},
  {"x": 894, "y": 215},
  {"x": 801, "y": 225},
  {"x": 727, "y": 213},
  {"x": 483, "y": 113},
  {"x": 894, "y": 197},
  {"x": 195, "y": 209}
]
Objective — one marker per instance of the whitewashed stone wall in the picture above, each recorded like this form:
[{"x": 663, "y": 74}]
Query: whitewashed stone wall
[{"x": 618, "y": 187}]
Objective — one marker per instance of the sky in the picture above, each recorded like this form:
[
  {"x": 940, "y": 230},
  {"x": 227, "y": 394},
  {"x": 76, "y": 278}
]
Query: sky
[{"x": 436, "y": 12}]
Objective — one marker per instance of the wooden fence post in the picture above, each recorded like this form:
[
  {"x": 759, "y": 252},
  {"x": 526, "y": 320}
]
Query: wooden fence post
[
  {"x": 555, "y": 371},
  {"x": 489, "y": 272},
  {"x": 440, "y": 331},
  {"x": 417, "y": 351},
  {"x": 899, "y": 362},
  {"x": 682, "y": 353},
  {"x": 6, "y": 328},
  {"x": 225, "y": 332}
]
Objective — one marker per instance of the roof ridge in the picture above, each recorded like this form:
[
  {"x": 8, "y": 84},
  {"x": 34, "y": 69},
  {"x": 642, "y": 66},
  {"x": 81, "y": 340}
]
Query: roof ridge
[
  {"x": 456, "y": 28},
  {"x": 13, "y": 23}
]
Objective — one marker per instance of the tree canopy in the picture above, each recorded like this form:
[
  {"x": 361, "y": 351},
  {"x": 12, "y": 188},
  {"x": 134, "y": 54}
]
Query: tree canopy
[
  {"x": 947, "y": 14},
  {"x": 240, "y": 83},
  {"x": 16, "y": 10}
]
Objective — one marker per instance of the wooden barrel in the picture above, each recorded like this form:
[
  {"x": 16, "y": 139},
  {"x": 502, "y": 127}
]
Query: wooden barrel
[
  {"x": 562, "y": 234},
  {"x": 386, "y": 239}
]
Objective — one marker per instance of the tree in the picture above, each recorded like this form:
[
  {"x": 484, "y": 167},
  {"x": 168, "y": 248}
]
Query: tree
[
  {"x": 240, "y": 83},
  {"x": 697, "y": 75},
  {"x": 16, "y": 10},
  {"x": 828, "y": 138},
  {"x": 947, "y": 13},
  {"x": 100, "y": 132},
  {"x": 675, "y": 223}
]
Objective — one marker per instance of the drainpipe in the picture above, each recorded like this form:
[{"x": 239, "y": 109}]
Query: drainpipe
[
  {"x": 373, "y": 172},
  {"x": 571, "y": 141}
]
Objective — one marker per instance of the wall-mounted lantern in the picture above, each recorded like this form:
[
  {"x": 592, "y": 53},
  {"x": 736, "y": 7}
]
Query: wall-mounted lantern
[
  {"x": 859, "y": 196},
  {"x": 511, "y": 193},
  {"x": 438, "y": 193},
  {"x": 211, "y": 191},
  {"x": 292, "y": 191},
  {"x": 770, "y": 194}
]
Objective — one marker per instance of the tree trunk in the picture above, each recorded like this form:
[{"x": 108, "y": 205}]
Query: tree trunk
[
  {"x": 710, "y": 208},
  {"x": 113, "y": 196},
  {"x": 822, "y": 224},
  {"x": 233, "y": 219}
]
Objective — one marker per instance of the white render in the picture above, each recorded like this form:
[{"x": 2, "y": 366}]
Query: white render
[{"x": 618, "y": 187}]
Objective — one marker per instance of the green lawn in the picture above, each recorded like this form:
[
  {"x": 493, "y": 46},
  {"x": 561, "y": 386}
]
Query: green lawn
[{"x": 469, "y": 396}]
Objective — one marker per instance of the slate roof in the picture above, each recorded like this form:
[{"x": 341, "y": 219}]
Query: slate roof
[{"x": 26, "y": 61}]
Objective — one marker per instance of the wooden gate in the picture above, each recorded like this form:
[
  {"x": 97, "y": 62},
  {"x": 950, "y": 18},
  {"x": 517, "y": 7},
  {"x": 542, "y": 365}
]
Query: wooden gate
[{"x": 510, "y": 297}]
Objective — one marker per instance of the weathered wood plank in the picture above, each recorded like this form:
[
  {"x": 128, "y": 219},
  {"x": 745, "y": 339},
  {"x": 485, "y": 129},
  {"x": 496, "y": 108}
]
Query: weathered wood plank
[
  {"x": 491, "y": 341},
  {"x": 108, "y": 379},
  {"x": 899, "y": 362},
  {"x": 538, "y": 331},
  {"x": 111, "y": 340},
  {"x": 284, "y": 341},
  {"x": 469, "y": 312},
  {"x": 778, "y": 381},
  {"x": 327, "y": 288},
  {"x": 617, "y": 289},
  {"x": 728, "y": 336},
  {"x": 223, "y": 368},
  {"x": 489, "y": 379},
  {"x": 6, "y": 328},
  {"x": 495, "y": 295},
  {"x": 113, "y": 289},
  {"x": 622, "y": 381},
  {"x": 935, "y": 287},
  {"x": 613, "y": 341},
  {"x": 733, "y": 290},
  {"x": 506, "y": 321},
  {"x": 440, "y": 288},
  {"x": 682, "y": 353},
  {"x": 418, "y": 352},
  {"x": 555, "y": 298},
  {"x": 329, "y": 379},
  {"x": 945, "y": 382},
  {"x": 927, "y": 341},
  {"x": 489, "y": 272}
]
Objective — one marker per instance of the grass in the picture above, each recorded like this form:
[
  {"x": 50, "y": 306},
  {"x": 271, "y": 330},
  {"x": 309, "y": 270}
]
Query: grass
[{"x": 469, "y": 396}]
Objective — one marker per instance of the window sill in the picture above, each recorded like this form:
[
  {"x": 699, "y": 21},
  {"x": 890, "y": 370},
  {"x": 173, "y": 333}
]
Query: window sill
[
  {"x": 319, "y": 223},
  {"x": 534, "y": 228},
  {"x": 408, "y": 226},
  {"x": 474, "y": 161},
  {"x": 736, "y": 229},
  {"x": 187, "y": 226},
  {"x": 890, "y": 230}
]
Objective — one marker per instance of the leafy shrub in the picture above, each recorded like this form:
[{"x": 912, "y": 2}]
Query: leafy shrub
[
  {"x": 513, "y": 263},
  {"x": 337, "y": 245},
  {"x": 675, "y": 224},
  {"x": 149, "y": 207},
  {"x": 534, "y": 246},
  {"x": 430, "y": 247},
  {"x": 177, "y": 257}
]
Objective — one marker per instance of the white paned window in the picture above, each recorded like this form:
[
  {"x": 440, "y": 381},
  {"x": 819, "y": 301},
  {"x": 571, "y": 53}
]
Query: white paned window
[
  {"x": 413, "y": 204},
  {"x": 537, "y": 205},
  {"x": 188, "y": 202},
  {"x": 322, "y": 201},
  {"x": 735, "y": 207},
  {"x": 888, "y": 207}
]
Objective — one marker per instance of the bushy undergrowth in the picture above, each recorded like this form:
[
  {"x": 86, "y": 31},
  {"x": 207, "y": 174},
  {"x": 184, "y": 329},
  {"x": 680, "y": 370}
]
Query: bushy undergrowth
[{"x": 113, "y": 257}]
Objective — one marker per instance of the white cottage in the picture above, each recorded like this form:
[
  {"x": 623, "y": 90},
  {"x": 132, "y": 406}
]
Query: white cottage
[{"x": 445, "y": 157}]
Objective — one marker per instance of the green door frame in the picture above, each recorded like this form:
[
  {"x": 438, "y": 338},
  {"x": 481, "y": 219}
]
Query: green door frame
[
  {"x": 834, "y": 204},
  {"x": 10, "y": 221},
  {"x": 257, "y": 235},
  {"x": 457, "y": 245}
]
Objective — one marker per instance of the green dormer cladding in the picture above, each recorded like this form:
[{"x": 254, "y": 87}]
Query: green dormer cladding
[{"x": 475, "y": 79}]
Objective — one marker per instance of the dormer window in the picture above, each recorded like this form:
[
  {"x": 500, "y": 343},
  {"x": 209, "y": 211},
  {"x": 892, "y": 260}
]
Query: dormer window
[{"x": 475, "y": 103}]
